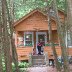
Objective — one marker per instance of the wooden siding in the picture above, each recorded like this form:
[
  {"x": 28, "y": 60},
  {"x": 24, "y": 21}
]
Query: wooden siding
[
  {"x": 23, "y": 53},
  {"x": 35, "y": 21}
]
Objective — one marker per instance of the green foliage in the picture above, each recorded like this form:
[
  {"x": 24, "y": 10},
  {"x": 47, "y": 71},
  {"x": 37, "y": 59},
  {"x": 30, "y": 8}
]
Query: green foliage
[
  {"x": 22, "y": 7},
  {"x": 50, "y": 44},
  {"x": 22, "y": 66},
  {"x": 61, "y": 4}
]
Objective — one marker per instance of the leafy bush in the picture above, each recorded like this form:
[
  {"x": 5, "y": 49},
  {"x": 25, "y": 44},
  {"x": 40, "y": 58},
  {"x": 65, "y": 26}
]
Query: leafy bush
[{"x": 22, "y": 66}]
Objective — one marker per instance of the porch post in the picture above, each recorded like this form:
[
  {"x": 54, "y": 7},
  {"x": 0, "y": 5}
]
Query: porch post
[
  {"x": 46, "y": 58},
  {"x": 35, "y": 41},
  {"x": 30, "y": 59}
]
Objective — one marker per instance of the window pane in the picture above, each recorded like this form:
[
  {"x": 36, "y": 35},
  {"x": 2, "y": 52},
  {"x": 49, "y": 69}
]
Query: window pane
[
  {"x": 42, "y": 36},
  {"x": 69, "y": 40},
  {"x": 28, "y": 43},
  {"x": 28, "y": 39}
]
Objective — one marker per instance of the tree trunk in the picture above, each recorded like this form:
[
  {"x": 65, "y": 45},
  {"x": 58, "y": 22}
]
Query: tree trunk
[
  {"x": 6, "y": 44},
  {"x": 51, "y": 38},
  {"x": 53, "y": 47},
  {"x": 61, "y": 37},
  {"x": 12, "y": 43},
  {"x": 1, "y": 68}
]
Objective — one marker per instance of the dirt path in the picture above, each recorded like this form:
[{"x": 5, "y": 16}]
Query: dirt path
[
  {"x": 44, "y": 69},
  {"x": 41, "y": 69}
]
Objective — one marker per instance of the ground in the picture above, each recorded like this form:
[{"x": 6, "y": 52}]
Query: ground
[{"x": 44, "y": 69}]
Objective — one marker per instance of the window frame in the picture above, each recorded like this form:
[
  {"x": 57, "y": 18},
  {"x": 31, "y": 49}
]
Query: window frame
[
  {"x": 25, "y": 39},
  {"x": 67, "y": 36}
]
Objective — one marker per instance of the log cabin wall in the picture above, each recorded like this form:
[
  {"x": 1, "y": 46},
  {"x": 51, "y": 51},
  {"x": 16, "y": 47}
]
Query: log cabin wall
[{"x": 36, "y": 22}]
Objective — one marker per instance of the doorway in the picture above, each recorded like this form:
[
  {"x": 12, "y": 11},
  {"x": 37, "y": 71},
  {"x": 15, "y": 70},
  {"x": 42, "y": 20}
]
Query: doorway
[{"x": 41, "y": 35}]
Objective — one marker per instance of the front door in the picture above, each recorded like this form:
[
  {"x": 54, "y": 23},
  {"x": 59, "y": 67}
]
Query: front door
[{"x": 41, "y": 35}]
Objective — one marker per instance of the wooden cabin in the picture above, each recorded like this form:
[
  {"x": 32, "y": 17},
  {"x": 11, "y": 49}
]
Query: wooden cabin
[{"x": 33, "y": 27}]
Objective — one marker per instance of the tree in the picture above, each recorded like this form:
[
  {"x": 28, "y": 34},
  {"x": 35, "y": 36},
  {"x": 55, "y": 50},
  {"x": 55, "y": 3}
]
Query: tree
[
  {"x": 8, "y": 42},
  {"x": 1, "y": 68},
  {"x": 10, "y": 14},
  {"x": 11, "y": 28},
  {"x": 51, "y": 38},
  {"x": 6, "y": 47},
  {"x": 61, "y": 35}
]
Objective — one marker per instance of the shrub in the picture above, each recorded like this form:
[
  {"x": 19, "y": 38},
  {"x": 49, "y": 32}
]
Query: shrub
[{"x": 22, "y": 66}]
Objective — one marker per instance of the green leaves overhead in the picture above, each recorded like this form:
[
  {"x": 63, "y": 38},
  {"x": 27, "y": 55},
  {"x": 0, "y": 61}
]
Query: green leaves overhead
[
  {"x": 22, "y": 7},
  {"x": 61, "y": 4}
]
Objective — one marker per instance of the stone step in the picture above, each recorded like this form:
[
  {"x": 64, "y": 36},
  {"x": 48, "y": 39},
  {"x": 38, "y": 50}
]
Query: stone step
[
  {"x": 38, "y": 57},
  {"x": 41, "y": 60},
  {"x": 39, "y": 65},
  {"x": 38, "y": 62}
]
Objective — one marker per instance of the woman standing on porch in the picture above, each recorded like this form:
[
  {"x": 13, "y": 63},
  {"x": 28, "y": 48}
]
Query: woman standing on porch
[{"x": 40, "y": 46}]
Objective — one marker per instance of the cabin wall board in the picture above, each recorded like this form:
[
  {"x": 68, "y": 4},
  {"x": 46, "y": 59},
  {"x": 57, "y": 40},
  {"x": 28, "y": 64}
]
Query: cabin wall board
[{"x": 23, "y": 52}]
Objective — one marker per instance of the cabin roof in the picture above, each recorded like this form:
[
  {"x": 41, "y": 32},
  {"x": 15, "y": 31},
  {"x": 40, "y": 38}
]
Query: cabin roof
[{"x": 30, "y": 13}]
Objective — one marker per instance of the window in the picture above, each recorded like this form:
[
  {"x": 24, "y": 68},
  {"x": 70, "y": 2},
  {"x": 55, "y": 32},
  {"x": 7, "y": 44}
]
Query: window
[
  {"x": 28, "y": 38},
  {"x": 20, "y": 41},
  {"x": 69, "y": 40}
]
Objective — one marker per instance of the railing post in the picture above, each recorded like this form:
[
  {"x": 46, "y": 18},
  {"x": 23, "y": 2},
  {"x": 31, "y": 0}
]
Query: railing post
[
  {"x": 30, "y": 59},
  {"x": 46, "y": 58}
]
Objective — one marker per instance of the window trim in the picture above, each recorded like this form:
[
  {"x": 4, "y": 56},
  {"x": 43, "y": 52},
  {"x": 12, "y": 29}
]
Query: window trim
[
  {"x": 40, "y": 33},
  {"x": 25, "y": 39},
  {"x": 69, "y": 46}
]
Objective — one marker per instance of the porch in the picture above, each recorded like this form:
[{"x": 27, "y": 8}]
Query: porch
[
  {"x": 23, "y": 52},
  {"x": 26, "y": 41}
]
